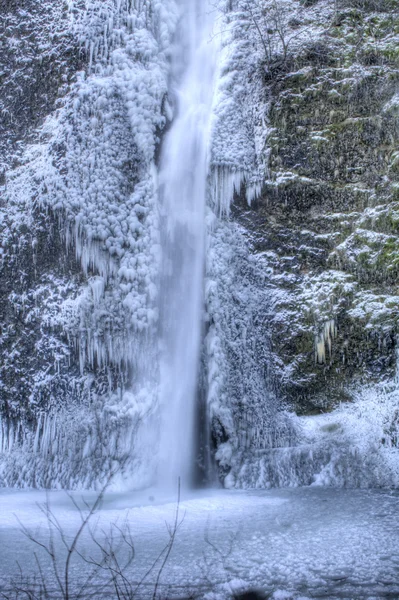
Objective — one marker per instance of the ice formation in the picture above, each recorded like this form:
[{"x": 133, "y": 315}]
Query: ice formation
[
  {"x": 98, "y": 169},
  {"x": 94, "y": 168},
  {"x": 353, "y": 446},
  {"x": 323, "y": 341},
  {"x": 226, "y": 182},
  {"x": 239, "y": 152}
]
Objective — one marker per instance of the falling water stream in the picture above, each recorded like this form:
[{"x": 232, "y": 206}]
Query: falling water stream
[{"x": 183, "y": 190}]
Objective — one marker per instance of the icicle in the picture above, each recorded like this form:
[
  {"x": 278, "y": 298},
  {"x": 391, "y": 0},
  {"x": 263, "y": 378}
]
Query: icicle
[
  {"x": 227, "y": 181},
  {"x": 37, "y": 435},
  {"x": 397, "y": 362},
  {"x": 323, "y": 340},
  {"x": 46, "y": 435},
  {"x": 2, "y": 435},
  {"x": 10, "y": 437},
  {"x": 54, "y": 437}
]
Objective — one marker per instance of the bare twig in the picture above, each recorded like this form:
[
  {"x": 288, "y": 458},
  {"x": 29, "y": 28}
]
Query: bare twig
[
  {"x": 172, "y": 534},
  {"x": 112, "y": 545}
]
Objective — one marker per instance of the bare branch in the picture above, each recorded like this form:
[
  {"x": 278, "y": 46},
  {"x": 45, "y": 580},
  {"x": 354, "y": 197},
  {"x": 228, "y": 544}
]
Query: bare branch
[{"x": 171, "y": 541}]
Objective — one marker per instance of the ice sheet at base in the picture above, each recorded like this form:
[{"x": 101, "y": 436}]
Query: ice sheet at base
[{"x": 293, "y": 543}]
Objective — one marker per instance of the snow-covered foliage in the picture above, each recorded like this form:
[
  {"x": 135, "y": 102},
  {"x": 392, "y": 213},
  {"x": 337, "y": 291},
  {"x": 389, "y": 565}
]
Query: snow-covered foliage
[
  {"x": 256, "y": 37},
  {"x": 356, "y": 445},
  {"x": 104, "y": 147},
  {"x": 244, "y": 410},
  {"x": 315, "y": 282},
  {"x": 259, "y": 444}
]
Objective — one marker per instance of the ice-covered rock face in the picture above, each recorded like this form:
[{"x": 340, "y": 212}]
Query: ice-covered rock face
[
  {"x": 239, "y": 153},
  {"x": 81, "y": 227},
  {"x": 105, "y": 181},
  {"x": 315, "y": 255}
]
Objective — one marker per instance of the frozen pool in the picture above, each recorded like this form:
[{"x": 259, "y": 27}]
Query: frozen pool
[{"x": 291, "y": 543}]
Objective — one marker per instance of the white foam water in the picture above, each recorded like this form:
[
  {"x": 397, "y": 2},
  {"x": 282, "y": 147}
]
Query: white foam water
[{"x": 183, "y": 189}]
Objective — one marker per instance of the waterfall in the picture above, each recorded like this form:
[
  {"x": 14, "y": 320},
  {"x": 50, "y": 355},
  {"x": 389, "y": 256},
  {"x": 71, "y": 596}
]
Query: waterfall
[{"x": 183, "y": 190}]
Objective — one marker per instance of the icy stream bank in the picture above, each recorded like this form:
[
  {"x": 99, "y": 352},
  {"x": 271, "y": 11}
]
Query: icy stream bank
[{"x": 309, "y": 542}]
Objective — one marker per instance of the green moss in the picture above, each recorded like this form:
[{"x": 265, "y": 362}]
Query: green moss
[
  {"x": 392, "y": 304},
  {"x": 393, "y": 221},
  {"x": 394, "y": 164},
  {"x": 379, "y": 26},
  {"x": 300, "y": 78},
  {"x": 388, "y": 258},
  {"x": 391, "y": 52},
  {"x": 385, "y": 221},
  {"x": 364, "y": 258}
]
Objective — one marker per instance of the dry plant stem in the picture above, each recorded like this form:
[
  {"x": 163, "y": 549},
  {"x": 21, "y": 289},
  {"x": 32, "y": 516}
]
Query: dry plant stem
[
  {"x": 172, "y": 534},
  {"x": 222, "y": 556},
  {"x": 63, "y": 579},
  {"x": 110, "y": 562},
  {"x": 117, "y": 539}
]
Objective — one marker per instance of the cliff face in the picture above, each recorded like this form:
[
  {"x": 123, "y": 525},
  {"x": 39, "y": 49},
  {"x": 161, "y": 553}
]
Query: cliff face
[
  {"x": 39, "y": 58},
  {"x": 82, "y": 106},
  {"x": 329, "y": 206},
  {"x": 326, "y": 217},
  {"x": 315, "y": 273}
]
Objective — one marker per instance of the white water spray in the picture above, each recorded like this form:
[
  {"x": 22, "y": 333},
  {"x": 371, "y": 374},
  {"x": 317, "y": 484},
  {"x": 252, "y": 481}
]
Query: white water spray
[{"x": 183, "y": 189}]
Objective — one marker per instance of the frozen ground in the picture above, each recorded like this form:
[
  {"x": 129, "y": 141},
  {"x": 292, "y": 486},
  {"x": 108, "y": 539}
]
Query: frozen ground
[{"x": 292, "y": 543}]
